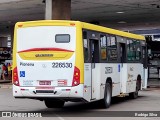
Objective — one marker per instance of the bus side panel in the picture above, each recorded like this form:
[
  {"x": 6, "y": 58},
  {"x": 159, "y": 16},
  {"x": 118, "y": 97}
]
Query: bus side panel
[
  {"x": 87, "y": 81},
  {"x": 145, "y": 78},
  {"x": 129, "y": 74},
  {"x": 134, "y": 70},
  {"x": 96, "y": 81},
  {"x": 97, "y": 76},
  {"x": 123, "y": 77},
  {"x": 110, "y": 71}
]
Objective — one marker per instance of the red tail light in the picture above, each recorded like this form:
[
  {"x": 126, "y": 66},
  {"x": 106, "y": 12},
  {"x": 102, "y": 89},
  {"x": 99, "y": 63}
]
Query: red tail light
[
  {"x": 15, "y": 77},
  {"x": 76, "y": 77}
]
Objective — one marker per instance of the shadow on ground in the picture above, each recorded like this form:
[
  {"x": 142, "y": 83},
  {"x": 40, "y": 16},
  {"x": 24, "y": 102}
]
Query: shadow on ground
[{"x": 92, "y": 109}]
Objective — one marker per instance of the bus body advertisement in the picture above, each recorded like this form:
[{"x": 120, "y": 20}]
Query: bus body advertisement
[{"x": 58, "y": 61}]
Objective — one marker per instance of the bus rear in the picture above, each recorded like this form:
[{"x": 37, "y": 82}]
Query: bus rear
[{"x": 44, "y": 62}]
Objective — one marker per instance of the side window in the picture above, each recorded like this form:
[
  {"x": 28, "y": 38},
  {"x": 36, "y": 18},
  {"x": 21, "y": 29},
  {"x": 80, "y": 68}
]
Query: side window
[
  {"x": 85, "y": 45},
  {"x": 133, "y": 50},
  {"x": 112, "y": 48},
  {"x": 138, "y": 51},
  {"x": 113, "y": 44},
  {"x": 103, "y": 48},
  {"x": 130, "y": 48}
]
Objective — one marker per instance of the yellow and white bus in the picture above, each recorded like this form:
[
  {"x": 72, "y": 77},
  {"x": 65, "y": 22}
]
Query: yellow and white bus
[{"x": 58, "y": 61}]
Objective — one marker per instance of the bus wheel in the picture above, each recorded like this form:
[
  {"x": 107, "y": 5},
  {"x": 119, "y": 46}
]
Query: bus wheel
[
  {"x": 134, "y": 95},
  {"x": 107, "y": 95},
  {"x": 54, "y": 103}
]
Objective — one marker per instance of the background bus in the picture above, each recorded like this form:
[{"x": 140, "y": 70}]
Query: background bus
[{"x": 59, "y": 61}]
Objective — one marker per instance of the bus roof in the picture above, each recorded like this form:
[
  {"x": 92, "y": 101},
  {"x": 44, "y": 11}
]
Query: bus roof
[
  {"x": 83, "y": 25},
  {"x": 112, "y": 31}
]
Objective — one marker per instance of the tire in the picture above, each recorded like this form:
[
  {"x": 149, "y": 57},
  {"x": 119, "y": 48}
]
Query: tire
[
  {"x": 134, "y": 95},
  {"x": 106, "y": 102},
  {"x": 139, "y": 84},
  {"x": 54, "y": 103}
]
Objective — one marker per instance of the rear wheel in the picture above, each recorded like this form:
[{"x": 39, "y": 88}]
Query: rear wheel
[
  {"x": 134, "y": 95},
  {"x": 107, "y": 96},
  {"x": 54, "y": 103}
]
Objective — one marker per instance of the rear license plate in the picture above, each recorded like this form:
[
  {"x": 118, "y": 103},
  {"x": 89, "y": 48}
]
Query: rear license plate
[{"x": 44, "y": 82}]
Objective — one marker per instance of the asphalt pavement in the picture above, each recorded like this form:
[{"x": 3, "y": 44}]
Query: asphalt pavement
[{"x": 147, "y": 103}]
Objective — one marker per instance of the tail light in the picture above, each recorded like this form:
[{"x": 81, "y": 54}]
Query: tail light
[
  {"x": 15, "y": 77},
  {"x": 76, "y": 77}
]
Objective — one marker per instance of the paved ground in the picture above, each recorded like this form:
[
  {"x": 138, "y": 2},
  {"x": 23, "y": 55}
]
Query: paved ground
[
  {"x": 154, "y": 83},
  {"x": 6, "y": 84},
  {"x": 148, "y": 100}
]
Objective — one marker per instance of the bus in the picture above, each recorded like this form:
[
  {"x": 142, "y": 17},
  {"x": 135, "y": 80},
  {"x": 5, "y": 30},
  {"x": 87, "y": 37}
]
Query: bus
[{"x": 57, "y": 61}]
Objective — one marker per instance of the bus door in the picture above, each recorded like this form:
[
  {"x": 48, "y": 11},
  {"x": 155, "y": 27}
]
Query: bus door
[
  {"x": 94, "y": 59},
  {"x": 122, "y": 54},
  {"x": 145, "y": 66},
  {"x": 122, "y": 66}
]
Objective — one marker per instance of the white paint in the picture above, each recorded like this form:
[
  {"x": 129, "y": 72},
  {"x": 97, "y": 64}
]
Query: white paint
[
  {"x": 123, "y": 78},
  {"x": 60, "y": 93},
  {"x": 59, "y": 117},
  {"x": 87, "y": 81},
  {"x": 145, "y": 80},
  {"x": 44, "y": 37},
  {"x": 129, "y": 74},
  {"x": 96, "y": 78},
  {"x": 38, "y": 72}
]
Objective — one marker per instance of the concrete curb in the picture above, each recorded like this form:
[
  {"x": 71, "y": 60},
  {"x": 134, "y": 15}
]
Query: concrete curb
[
  {"x": 5, "y": 86},
  {"x": 153, "y": 86},
  {"x": 5, "y": 81}
]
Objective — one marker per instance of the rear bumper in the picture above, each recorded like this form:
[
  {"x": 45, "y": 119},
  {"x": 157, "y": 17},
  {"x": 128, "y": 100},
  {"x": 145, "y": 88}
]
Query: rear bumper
[{"x": 58, "y": 92}]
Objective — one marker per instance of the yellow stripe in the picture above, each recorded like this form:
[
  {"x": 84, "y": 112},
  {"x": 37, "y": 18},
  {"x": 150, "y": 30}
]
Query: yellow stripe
[
  {"x": 112, "y": 31},
  {"x": 14, "y": 64},
  {"x": 46, "y": 23},
  {"x": 79, "y": 52}
]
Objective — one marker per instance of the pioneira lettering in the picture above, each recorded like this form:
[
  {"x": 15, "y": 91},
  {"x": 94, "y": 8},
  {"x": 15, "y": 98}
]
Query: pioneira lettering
[{"x": 26, "y": 64}]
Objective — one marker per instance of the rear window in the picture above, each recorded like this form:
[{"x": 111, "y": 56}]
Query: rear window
[{"x": 62, "y": 38}]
